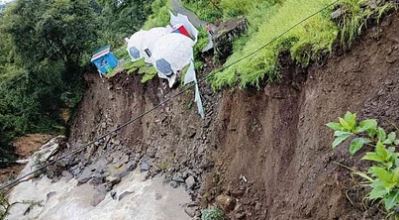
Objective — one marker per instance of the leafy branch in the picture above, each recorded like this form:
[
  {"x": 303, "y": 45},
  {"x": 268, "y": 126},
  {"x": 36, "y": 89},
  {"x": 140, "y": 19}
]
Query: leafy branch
[{"x": 383, "y": 175}]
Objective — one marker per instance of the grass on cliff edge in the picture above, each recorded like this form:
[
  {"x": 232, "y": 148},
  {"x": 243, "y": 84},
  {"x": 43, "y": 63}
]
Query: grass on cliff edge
[{"x": 306, "y": 43}]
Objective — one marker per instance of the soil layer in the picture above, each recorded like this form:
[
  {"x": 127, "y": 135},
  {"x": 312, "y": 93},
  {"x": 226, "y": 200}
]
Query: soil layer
[{"x": 267, "y": 149}]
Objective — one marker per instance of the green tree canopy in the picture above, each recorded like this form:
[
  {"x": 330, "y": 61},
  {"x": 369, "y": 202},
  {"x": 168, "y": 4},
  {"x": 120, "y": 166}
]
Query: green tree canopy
[{"x": 121, "y": 18}]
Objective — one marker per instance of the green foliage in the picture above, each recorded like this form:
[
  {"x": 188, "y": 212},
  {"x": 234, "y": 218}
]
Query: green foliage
[
  {"x": 4, "y": 206},
  {"x": 206, "y": 10},
  {"x": 160, "y": 14},
  {"x": 212, "y": 214},
  {"x": 356, "y": 17},
  {"x": 121, "y": 18},
  {"x": 122, "y": 53},
  {"x": 42, "y": 47},
  {"x": 147, "y": 71},
  {"x": 383, "y": 174},
  {"x": 306, "y": 43},
  {"x": 53, "y": 30},
  {"x": 199, "y": 46},
  {"x": 234, "y": 8}
]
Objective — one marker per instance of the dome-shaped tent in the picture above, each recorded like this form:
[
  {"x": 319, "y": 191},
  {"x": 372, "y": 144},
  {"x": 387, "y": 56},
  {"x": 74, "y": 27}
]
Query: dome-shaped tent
[
  {"x": 141, "y": 44},
  {"x": 171, "y": 54}
]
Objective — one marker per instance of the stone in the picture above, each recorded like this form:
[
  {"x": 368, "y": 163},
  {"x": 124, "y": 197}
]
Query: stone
[
  {"x": 66, "y": 175},
  {"x": 224, "y": 36},
  {"x": 103, "y": 125},
  {"x": 97, "y": 179},
  {"x": 124, "y": 194},
  {"x": 117, "y": 142},
  {"x": 50, "y": 194},
  {"x": 225, "y": 202},
  {"x": 113, "y": 195},
  {"x": 178, "y": 177},
  {"x": 240, "y": 215},
  {"x": 238, "y": 192},
  {"x": 151, "y": 152},
  {"x": 85, "y": 176},
  {"x": 144, "y": 166},
  {"x": 98, "y": 196},
  {"x": 174, "y": 184},
  {"x": 190, "y": 182},
  {"x": 131, "y": 165},
  {"x": 113, "y": 179},
  {"x": 190, "y": 211}
]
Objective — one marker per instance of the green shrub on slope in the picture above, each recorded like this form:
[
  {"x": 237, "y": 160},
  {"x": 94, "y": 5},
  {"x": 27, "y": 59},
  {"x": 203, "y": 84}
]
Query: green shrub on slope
[
  {"x": 206, "y": 10},
  {"x": 305, "y": 42},
  {"x": 160, "y": 14}
]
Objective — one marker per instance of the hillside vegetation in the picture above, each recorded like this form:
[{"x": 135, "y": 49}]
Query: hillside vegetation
[
  {"x": 45, "y": 46},
  {"x": 268, "y": 19}
]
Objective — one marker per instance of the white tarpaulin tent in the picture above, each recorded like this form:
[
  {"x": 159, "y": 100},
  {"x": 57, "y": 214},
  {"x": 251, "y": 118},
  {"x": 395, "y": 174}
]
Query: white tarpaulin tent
[
  {"x": 141, "y": 43},
  {"x": 180, "y": 19},
  {"x": 169, "y": 50},
  {"x": 134, "y": 45},
  {"x": 171, "y": 54},
  {"x": 191, "y": 77}
]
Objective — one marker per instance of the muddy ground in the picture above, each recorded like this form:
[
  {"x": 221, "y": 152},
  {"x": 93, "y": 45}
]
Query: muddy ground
[
  {"x": 24, "y": 147},
  {"x": 266, "y": 149}
]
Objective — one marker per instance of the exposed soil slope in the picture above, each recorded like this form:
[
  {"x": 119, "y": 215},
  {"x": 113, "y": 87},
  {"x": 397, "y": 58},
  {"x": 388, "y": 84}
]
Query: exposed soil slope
[
  {"x": 267, "y": 148},
  {"x": 277, "y": 137}
]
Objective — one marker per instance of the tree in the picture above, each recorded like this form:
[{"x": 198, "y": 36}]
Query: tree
[
  {"x": 43, "y": 46},
  {"x": 122, "y": 18},
  {"x": 52, "y": 29}
]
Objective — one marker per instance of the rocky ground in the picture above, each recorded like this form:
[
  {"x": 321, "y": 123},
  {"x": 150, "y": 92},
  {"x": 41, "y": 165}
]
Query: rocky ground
[{"x": 172, "y": 142}]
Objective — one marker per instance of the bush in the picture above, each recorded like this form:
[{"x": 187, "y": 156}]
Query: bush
[
  {"x": 4, "y": 206},
  {"x": 206, "y": 10},
  {"x": 305, "y": 43},
  {"x": 383, "y": 173},
  {"x": 160, "y": 14},
  {"x": 212, "y": 214},
  {"x": 42, "y": 48}
]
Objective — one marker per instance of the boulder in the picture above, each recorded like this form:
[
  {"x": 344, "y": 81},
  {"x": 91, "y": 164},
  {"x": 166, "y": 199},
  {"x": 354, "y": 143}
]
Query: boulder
[
  {"x": 144, "y": 166},
  {"x": 225, "y": 202},
  {"x": 224, "y": 37},
  {"x": 98, "y": 196},
  {"x": 190, "y": 182}
]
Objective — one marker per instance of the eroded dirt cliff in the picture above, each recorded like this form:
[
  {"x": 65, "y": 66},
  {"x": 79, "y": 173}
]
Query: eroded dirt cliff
[{"x": 267, "y": 148}]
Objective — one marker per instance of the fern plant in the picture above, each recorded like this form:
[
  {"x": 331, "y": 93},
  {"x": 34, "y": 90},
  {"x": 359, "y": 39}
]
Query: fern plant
[
  {"x": 383, "y": 174},
  {"x": 212, "y": 214}
]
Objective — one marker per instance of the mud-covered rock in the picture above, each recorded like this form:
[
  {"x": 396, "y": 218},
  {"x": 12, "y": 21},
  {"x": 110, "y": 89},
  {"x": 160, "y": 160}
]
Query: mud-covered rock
[
  {"x": 225, "y": 202},
  {"x": 224, "y": 36},
  {"x": 190, "y": 182}
]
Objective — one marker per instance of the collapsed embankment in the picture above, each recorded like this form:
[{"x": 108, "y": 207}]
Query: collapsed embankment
[{"x": 268, "y": 148}]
